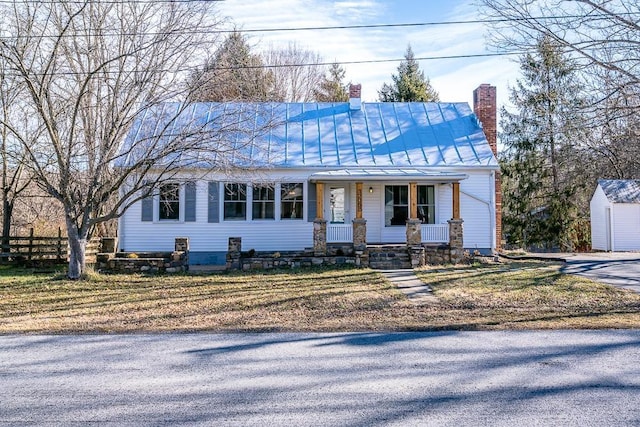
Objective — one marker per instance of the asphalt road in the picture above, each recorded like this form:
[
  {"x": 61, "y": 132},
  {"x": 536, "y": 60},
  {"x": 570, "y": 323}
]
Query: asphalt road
[
  {"x": 620, "y": 269},
  {"x": 568, "y": 378}
]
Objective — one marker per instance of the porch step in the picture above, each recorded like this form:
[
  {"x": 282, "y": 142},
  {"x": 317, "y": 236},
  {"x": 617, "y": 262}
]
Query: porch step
[{"x": 389, "y": 257}]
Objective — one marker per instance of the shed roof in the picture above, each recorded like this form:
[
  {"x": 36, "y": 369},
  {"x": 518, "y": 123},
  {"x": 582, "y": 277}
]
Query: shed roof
[
  {"x": 621, "y": 190},
  {"x": 331, "y": 135}
]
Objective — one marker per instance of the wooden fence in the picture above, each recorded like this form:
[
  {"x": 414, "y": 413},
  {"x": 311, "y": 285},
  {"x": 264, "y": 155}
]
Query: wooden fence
[{"x": 33, "y": 248}]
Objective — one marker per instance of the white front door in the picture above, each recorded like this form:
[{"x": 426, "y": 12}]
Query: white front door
[{"x": 337, "y": 204}]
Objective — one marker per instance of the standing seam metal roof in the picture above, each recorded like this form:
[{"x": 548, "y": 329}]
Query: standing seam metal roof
[
  {"x": 331, "y": 135},
  {"x": 621, "y": 190}
]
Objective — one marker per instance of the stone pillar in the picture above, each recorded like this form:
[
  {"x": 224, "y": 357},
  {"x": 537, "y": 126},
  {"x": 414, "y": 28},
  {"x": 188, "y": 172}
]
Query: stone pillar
[
  {"x": 414, "y": 232},
  {"x": 108, "y": 245},
  {"x": 319, "y": 237},
  {"x": 359, "y": 234},
  {"x": 181, "y": 253},
  {"x": 233, "y": 253},
  {"x": 182, "y": 244},
  {"x": 456, "y": 244}
]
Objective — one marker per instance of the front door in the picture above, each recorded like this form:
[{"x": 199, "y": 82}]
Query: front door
[{"x": 336, "y": 204}]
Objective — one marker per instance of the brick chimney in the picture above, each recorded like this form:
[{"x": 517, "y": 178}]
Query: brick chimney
[
  {"x": 485, "y": 108},
  {"x": 355, "y": 102}
]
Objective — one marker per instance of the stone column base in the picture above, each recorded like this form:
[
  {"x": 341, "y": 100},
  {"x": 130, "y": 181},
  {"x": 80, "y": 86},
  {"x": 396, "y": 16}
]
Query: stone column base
[
  {"x": 320, "y": 237},
  {"x": 414, "y": 232},
  {"x": 456, "y": 243},
  {"x": 359, "y": 234}
]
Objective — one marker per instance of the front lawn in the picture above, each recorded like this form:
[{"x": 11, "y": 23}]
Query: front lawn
[{"x": 515, "y": 295}]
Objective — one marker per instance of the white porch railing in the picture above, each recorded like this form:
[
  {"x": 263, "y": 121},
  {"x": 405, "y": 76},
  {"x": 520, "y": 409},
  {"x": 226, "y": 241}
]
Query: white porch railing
[
  {"x": 435, "y": 233},
  {"x": 339, "y": 233}
]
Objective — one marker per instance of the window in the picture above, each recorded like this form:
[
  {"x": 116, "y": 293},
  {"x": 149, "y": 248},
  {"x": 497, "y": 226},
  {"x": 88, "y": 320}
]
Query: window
[
  {"x": 427, "y": 204},
  {"x": 291, "y": 201},
  {"x": 235, "y": 202},
  {"x": 396, "y": 204},
  {"x": 169, "y": 208},
  {"x": 263, "y": 202}
]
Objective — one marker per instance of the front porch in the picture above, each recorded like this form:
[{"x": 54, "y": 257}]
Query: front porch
[
  {"x": 419, "y": 230},
  {"x": 429, "y": 233}
]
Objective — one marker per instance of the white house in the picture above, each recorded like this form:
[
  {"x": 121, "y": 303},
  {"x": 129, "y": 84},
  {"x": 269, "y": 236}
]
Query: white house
[
  {"x": 332, "y": 171},
  {"x": 615, "y": 215}
]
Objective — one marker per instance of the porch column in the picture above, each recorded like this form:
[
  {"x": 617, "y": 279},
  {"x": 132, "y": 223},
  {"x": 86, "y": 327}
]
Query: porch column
[
  {"x": 359, "y": 223},
  {"x": 456, "y": 200},
  {"x": 456, "y": 243},
  {"x": 414, "y": 224},
  {"x": 319, "y": 223}
]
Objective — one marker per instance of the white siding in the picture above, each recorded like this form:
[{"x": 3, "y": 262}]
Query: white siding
[
  {"x": 599, "y": 225},
  {"x": 626, "y": 230},
  {"x": 213, "y": 237},
  {"x": 136, "y": 235},
  {"x": 476, "y": 210},
  {"x": 372, "y": 209}
]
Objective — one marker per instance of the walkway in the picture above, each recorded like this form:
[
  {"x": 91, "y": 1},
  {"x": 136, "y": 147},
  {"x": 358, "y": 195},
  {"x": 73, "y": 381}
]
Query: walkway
[{"x": 410, "y": 285}]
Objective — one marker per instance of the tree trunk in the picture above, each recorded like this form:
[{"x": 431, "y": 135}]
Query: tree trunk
[
  {"x": 77, "y": 250},
  {"x": 7, "y": 210}
]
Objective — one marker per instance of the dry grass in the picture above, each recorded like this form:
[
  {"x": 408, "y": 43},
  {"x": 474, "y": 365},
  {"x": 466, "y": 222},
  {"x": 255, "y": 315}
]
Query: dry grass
[{"x": 511, "y": 296}]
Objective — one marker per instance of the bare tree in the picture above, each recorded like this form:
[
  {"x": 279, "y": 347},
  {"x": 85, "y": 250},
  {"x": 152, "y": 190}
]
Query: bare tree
[
  {"x": 603, "y": 38},
  {"x": 15, "y": 180},
  {"x": 296, "y": 75},
  {"x": 92, "y": 70}
]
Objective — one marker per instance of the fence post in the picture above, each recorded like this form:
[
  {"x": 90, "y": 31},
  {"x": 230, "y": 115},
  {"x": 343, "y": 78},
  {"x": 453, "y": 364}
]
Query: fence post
[
  {"x": 30, "y": 252},
  {"x": 59, "y": 248}
]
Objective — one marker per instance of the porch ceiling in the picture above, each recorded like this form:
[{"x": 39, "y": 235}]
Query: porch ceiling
[{"x": 386, "y": 175}]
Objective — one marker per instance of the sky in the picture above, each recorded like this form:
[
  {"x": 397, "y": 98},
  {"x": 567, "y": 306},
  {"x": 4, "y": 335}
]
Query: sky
[{"x": 454, "y": 79}]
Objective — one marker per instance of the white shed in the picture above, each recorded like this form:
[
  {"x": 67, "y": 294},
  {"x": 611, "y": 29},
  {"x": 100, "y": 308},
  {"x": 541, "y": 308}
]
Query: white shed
[{"x": 615, "y": 215}]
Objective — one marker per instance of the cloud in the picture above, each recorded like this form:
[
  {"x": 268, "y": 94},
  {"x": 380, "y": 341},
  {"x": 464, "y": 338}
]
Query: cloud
[{"x": 454, "y": 79}]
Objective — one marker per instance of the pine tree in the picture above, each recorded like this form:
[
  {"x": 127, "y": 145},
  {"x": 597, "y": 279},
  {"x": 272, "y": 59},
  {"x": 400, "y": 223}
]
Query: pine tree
[
  {"x": 234, "y": 74},
  {"x": 332, "y": 88},
  {"x": 409, "y": 84},
  {"x": 540, "y": 164}
]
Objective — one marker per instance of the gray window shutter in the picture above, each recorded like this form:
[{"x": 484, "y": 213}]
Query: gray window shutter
[
  {"x": 190, "y": 201},
  {"x": 147, "y": 209},
  {"x": 311, "y": 202},
  {"x": 214, "y": 202}
]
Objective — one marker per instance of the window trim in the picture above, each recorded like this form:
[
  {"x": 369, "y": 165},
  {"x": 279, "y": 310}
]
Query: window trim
[
  {"x": 384, "y": 203},
  {"x": 180, "y": 201},
  {"x": 224, "y": 201},
  {"x": 302, "y": 202},
  {"x": 274, "y": 188},
  {"x": 435, "y": 205}
]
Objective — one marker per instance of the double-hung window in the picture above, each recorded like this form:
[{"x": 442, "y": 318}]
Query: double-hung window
[
  {"x": 291, "y": 201},
  {"x": 235, "y": 202},
  {"x": 263, "y": 202},
  {"x": 169, "y": 206},
  {"x": 427, "y": 204},
  {"x": 396, "y": 204}
]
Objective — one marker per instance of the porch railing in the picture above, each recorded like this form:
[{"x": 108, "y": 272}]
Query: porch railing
[
  {"x": 435, "y": 233},
  {"x": 339, "y": 233}
]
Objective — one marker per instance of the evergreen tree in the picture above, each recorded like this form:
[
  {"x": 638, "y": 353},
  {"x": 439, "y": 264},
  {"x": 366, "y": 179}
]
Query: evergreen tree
[
  {"x": 540, "y": 164},
  {"x": 234, "y": 74},
  {"x": 332, "y": 88},
  {"x": 409, "y": 84}
]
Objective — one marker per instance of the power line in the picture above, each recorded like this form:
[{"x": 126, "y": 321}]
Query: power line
[
  {"x": 249, "y": 67},
  {"x": 600, "y": 16}
]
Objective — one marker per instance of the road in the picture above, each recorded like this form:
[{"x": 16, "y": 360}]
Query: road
[
  {"x": 569, "y": 378},
  {"x": 621, "y": 269}
]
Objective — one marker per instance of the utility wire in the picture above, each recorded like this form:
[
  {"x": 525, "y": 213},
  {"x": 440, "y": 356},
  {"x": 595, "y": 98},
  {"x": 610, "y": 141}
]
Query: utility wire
[{"x": 249, "y": 67}]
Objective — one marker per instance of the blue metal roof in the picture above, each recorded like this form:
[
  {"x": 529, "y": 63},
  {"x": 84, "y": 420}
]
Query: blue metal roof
[
  {"x": 621, "y": 190},
  {"x": 327, "y": 135}
]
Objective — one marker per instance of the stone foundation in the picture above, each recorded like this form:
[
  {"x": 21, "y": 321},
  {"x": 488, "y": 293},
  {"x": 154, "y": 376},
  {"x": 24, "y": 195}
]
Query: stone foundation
[{"x": 143, "y": 262}]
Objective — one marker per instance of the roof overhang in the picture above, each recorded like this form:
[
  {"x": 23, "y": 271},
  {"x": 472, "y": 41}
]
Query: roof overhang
[{"x": 388, "y": 174}]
